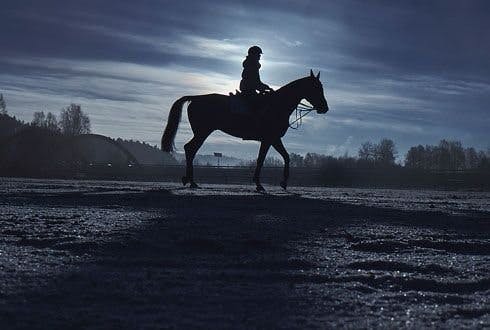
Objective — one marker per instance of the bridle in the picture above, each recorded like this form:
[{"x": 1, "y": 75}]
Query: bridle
[{"x": 301, "y": 111}]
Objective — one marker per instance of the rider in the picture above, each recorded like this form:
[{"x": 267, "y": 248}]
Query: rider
[{"x": 250, "y": 82}]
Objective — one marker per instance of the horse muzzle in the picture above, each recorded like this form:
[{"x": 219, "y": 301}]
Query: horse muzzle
[{"x": 322, "y": 110}]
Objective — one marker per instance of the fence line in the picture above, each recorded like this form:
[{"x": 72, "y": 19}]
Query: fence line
[{"x": 396, "y": 177}]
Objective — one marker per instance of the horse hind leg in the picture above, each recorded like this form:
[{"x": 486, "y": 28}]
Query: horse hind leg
[{"x": 191, "y": 149}]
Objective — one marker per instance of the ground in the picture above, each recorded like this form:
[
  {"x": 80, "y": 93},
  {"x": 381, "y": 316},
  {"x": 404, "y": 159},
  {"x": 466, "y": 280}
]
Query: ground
[{"x": 82, "y": 254}]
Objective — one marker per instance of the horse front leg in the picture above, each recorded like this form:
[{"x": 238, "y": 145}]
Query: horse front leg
[
  {"x": 282, "y": 151},
  {"x": 264, "y": 148}
]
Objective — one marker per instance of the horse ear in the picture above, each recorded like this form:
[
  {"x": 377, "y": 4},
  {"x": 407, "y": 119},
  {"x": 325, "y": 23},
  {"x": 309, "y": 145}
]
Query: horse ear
[
  {"x": 318, "y": 75},
  {"x": 311, "y": 73}
]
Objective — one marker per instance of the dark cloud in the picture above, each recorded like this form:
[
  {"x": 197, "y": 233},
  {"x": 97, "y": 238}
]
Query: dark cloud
[{"x": 414, "y": 71}]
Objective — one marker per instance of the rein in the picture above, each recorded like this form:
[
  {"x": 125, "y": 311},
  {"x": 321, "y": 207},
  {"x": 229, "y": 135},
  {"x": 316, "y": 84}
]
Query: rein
[{"x": 301, "y": 111}]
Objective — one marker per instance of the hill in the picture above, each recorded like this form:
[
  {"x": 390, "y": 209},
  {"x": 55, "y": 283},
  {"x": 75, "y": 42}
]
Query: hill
[
  {"x": 147, "y": 154},
  {"x": 29, "y": 147}
]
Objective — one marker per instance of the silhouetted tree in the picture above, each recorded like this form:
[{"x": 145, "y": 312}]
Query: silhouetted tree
[
  {"x": 385, "y": 152},
  {"x": 415, "y": 157},
  {"x": 484, "y": 160},
  {"x": 51, "y": 122},
  {"x": 347, "y": 161},
  {"x": 45, "y": 121},
  {"x": 380, "y": 154},
  {"x": 73, "y": 121},
  {"x": 471, "y": 158},
  {"x": 296, "y": 160},
  {"x": 367, "y": 151},
  {"x": 272, "y": 162},
  {"x": 313, "y": 159},
  {"x": 447, "y": 155},
  {"x": 451, "y": 155},
  {"x": 443, "y": 157},
  {"x": 268, "y": 162},
  {"x": 39, "y": 119},
  {"x": 457, "y": 155},
  {"x": 3, "y": 105}
]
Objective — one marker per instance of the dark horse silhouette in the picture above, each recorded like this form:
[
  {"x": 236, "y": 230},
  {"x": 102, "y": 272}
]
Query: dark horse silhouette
[{"x": 211, "y": 112}]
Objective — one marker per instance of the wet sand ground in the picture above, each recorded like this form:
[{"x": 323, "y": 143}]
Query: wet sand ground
[{"x": 78, "y": 254}]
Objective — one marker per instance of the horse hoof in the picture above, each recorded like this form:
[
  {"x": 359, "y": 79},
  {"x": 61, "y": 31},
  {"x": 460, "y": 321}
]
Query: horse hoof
[
  {"x": 185, "y": 180},
  {"x": 260, "y": 188},
  {"x": 284, "y": 185},
  {"x": 194, "y": 185}
]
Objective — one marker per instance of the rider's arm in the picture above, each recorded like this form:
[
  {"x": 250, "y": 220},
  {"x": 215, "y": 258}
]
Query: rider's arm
[{"x": 265, "y": 88}]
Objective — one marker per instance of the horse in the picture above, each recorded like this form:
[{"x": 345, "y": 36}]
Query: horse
[{"x": 211, "y": 112}]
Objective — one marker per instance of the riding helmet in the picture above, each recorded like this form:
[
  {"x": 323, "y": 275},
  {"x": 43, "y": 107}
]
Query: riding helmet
[{"x": 254, "y": 50}]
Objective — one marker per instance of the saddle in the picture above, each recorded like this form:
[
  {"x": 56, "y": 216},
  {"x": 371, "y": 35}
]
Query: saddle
[{"x": 248, "y": 105}]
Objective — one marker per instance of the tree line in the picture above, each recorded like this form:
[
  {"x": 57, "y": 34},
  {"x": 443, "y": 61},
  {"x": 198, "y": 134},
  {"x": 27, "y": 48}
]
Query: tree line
[
  {"x": 447, "y": 155},
  {"x": 370, "y": 155},
  {"x": 72, "y": 121}
]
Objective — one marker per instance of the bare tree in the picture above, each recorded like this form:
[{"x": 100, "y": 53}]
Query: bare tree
[
  {"x": 296, "y": 160},
  {"x": 457, "y": 159},
  {"x": 450, "y": 155},
  {"x": 471, "y": 158},
  {"x": 45, "y": 121},
  {"x": 313, "y": 159},
  {"x": 484, "y": 159},
  {"x": 272, "y": 162},
  {"x": 447, "y": 155},
  {"x": 443, "y": 155},
  {"x": 51, "y": 122},
  {"x": 3, "y": 105},
  {"x": 367, "y": 151},
  {"x": 385, "y": 152},
  {"x": 415, "y": 157},
  {"x": 39, "y": 119},
  {"x": 73, "y": 121}
]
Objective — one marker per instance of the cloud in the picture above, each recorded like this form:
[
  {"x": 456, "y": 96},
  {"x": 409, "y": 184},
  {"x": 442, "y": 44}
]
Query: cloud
[
  {"x": 410, "y": 71},
  {"x": 174, "y": 75}
]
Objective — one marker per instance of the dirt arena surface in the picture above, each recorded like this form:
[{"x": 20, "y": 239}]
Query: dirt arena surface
[{"x": 133, "y": 255}]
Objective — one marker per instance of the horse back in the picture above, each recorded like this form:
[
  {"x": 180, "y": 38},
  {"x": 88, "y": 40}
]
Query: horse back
[
  {"x": 206, "y": 99},
  {"x": 213, "y": 112}
]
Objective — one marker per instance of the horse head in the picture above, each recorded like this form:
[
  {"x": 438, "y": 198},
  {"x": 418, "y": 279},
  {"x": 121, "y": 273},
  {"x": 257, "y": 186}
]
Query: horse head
[{"x": 315, "y": 94}]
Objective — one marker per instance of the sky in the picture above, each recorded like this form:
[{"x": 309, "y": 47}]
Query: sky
[{"x": 415, "y": 72}]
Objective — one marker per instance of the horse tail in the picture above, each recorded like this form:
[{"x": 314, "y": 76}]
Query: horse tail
[{"x": 173, "y": 123}]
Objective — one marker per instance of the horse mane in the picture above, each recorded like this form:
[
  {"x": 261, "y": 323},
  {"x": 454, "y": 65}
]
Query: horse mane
[{"x": 294, "y": 83}]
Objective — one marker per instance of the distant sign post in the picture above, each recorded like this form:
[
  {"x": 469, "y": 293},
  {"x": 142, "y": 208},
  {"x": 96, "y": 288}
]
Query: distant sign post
[{"x": 218, "y": 155}]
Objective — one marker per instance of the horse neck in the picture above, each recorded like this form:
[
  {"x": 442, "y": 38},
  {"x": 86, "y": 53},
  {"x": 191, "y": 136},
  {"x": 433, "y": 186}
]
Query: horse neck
[{"x": 291, "y": 94}]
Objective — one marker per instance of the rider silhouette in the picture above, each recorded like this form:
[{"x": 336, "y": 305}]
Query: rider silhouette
[{"x": 250, "y": 82}]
